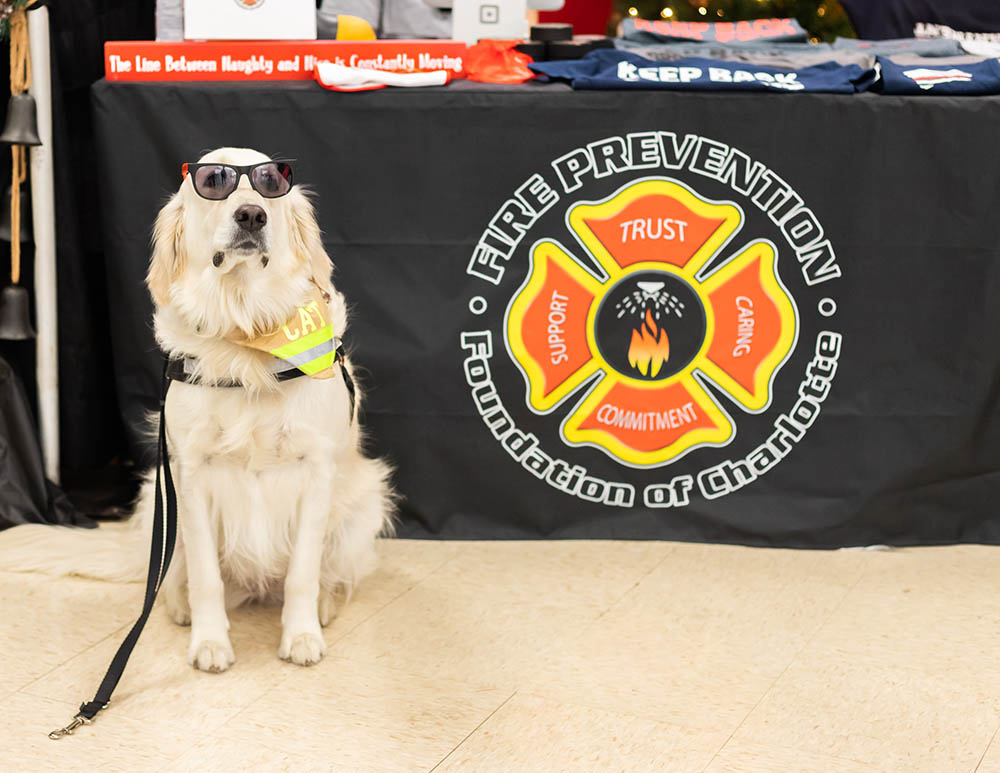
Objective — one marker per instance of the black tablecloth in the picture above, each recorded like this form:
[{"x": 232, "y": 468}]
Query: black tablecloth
[{"x": 864, "y": 248}]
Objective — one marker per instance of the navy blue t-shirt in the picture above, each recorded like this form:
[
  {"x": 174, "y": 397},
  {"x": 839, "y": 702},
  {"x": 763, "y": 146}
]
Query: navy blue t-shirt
[
  {"x": 612, "y": 69},
  {"x": 881, "y": 19},
  {"x": 974, "y": 78}
]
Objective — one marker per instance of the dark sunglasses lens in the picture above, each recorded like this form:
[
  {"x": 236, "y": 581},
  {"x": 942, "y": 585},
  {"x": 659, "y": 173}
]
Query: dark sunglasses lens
[
  {"x": 272, "y": 180},
  {"x": 215, "y": 182}
]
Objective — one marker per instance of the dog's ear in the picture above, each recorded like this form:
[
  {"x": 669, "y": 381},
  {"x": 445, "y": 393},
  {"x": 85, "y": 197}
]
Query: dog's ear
[
  {"x": 168, "y": 259},
  {"x": 308, "y": 241}
]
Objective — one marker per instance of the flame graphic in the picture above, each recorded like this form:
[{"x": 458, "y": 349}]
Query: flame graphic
[{"x": 649, "y": 348}]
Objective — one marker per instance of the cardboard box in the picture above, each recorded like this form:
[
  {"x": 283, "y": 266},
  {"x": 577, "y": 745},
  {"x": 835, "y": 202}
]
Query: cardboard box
[
  {"x": 150, "y": 60},
  {"x": 250, "y": 20}
]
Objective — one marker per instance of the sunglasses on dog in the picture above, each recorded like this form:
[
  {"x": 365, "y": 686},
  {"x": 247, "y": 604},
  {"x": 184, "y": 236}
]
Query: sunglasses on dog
[{"x": 270, "y": 179}]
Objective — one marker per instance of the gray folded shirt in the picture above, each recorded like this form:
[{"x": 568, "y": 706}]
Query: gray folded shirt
[
  {"x": 794, "y": 55},
  {"x": 913, "y": 59},
  {"x": 918, "y": 46},
  {"x": 788, "y": 56}
]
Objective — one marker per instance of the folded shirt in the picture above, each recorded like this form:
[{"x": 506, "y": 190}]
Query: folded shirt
[
  {"x": 934, "y": 47},
  {"x": 976, "y": 43},
  {"x": 969, "y": 76},
  {"x": 665, "y": 49},
  {"x": 981, "y": 47},
  {"x": 732, "y": 32},
  {"x": 893, "y": 18},
  {"x": 790, "y": 56},
  {"x": 615, "y": 69},
  {"x": 936, "y": 61}
]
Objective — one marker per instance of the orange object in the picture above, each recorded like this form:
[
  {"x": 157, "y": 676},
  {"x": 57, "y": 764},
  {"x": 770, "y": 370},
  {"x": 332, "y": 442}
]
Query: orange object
[
  {"x": 353, "y": 28},
  {"x": 497, "y": 61}
]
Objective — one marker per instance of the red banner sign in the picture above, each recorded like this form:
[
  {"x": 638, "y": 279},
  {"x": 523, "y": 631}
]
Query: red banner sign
[{"x": 254, "y": 60}]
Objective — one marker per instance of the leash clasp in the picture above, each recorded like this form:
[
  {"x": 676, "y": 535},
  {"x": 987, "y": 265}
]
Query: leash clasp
[{"x": 78, "y": 720}]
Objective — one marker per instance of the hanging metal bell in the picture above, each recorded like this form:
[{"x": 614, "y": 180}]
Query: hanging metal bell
[
  {"x": 22, "y": 126},
  {"x": 5, "y": 232},
  {"x": 15, "y": 321}
]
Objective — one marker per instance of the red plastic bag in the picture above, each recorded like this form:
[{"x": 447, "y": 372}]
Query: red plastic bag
[{"x": 496, "y": 61}]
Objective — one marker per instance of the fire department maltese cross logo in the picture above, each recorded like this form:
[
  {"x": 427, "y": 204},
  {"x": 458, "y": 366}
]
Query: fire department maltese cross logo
[{"x": 647, "y": 346}]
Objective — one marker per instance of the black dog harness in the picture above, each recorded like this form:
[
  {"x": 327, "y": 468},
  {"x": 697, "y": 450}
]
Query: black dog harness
[
  {"x": 165, "y": 529},
  {"x": 183, "y": 370}
]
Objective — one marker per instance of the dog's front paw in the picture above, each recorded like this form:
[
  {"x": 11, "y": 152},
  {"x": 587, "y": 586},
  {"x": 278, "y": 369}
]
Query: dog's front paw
[
  {"x": 304, "y": 649},
  {"x": 213, "y": 656}
]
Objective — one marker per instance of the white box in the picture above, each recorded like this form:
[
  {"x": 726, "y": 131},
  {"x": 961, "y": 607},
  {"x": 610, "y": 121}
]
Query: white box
[
  {"x": 250, "y": 19},
  {"x": 473, "y": 20}
]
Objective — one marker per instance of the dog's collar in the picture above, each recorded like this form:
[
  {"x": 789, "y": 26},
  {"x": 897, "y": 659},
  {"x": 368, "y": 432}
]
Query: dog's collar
[{"x": 183, "y": 369}]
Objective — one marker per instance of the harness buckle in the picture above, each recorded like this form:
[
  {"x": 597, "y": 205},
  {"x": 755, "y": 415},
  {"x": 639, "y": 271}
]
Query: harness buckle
[{"x": 78, "y": 720}]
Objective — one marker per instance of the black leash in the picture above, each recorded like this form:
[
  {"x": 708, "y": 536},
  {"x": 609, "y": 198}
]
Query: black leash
[
  {"x": 161, "y": 548},
  {"x": 160, "y": 552}
]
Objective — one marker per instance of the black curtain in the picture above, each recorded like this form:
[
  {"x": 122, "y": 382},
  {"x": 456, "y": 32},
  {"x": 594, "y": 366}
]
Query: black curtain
[
  {"x": 25, "y": 495},
  {"x": 94, "y": 449}
]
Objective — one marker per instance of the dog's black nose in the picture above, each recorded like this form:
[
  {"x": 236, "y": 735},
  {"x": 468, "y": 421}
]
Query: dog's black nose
[{"x": 250, "y": 217}]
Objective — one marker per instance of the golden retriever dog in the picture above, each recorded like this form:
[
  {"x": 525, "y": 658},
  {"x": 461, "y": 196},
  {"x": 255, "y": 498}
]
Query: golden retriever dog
[{"x": 276, "y": 500}]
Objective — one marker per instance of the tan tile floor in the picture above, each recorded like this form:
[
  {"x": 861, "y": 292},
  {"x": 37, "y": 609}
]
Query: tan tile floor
[{"x": 541, "y": 656}]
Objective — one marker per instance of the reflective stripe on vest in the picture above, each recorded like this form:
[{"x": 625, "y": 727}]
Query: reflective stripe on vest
[{"x": 311, "y": 353}]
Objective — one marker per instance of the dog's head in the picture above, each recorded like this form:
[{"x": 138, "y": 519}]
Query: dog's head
[{"x": 241, "y": 263}]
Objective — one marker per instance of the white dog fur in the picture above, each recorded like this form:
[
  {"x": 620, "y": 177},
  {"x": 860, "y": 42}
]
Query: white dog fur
[{"x": 275, "y": 497}]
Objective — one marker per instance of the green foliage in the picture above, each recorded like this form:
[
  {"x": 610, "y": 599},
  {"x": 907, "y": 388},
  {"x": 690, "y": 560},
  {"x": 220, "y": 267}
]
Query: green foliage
[
  {"x": 7, "y": 7},
  {"x": 823, "y": 19}
]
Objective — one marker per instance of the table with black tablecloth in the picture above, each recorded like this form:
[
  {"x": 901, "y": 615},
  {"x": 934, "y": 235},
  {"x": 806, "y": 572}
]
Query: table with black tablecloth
[{"x": 462, "y": 218}]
